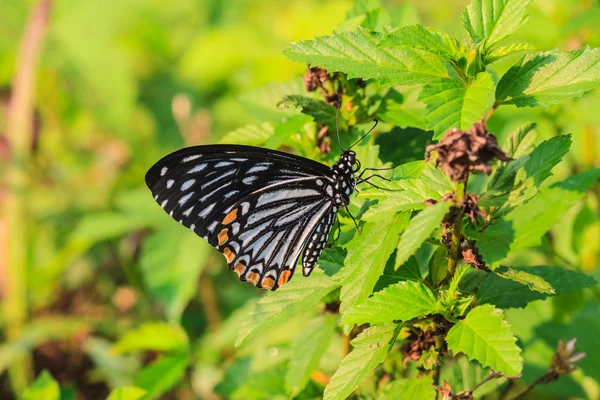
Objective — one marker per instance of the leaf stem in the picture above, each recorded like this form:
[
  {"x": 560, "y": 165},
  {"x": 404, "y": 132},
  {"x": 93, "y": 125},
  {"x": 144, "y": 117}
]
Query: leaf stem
[
  {"x": 468, "y": 394},
  {"x": 453, "y": 254}
]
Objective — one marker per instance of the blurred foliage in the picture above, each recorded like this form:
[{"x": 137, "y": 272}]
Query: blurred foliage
[{"x": 120, "y": 299}]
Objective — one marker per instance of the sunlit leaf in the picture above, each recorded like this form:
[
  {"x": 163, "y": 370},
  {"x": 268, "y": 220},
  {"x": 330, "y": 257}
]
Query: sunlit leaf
[
  {"x": 484, "y": 336},
  {"x": 162, "y": 374},
  {"x": 156, "y": 336},
  {"x": 127, "y": 393},
  {"x": 43, "y": 388},
  {"x": 415, "y": 388}
]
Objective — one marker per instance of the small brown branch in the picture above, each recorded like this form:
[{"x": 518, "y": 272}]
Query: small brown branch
[
  {"x": 467, "y": 394},
  {"x": 548, "y": 377}
]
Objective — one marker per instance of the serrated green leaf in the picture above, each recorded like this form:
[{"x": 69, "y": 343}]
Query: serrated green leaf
[
  {"x": 419, "y": 229},
  {"x": 533, "y": 282},
  {"x": 399, "y": 302},
  {"x": 43, "y": 388},
  {"x": 370, "y": 349},
  {"x": 494, "y": 243},
  {"x": 401, "y": 195},
  {"x": 409, "y": 271},
  {"x": 355, "y": 53},
  {"x": 278, "y": 307},
  {"x": 162, "y": 374},
  {"x": 450, "y": 104},
  {"x": 366, "y": 259},
  {"x": 545, "y": 156},
  {"x": 506, "y": 293},
  {"x": 156, "y": 336},
  {"x": 252, "y": 135},
  {"x": 545, "y": 79},
  {"x": 321, "y": 111},
  {"x": 403, "y": 109},
  {"x": 484, "y": 336},
  {"x": 505, "y": 51},
  {"x": 307, "y": 349},
  {"x": 534, "y": 218},
  {"x": 415, "y": 388},
  {"x": 127, "y": 393},
  {"x": 416, "y": 36},
  {"x": 479, "y": 98},
  {"x": 522, "y": 141},
  {"x": 285, "y": 130},
  {"x": 494, "y": 20}
]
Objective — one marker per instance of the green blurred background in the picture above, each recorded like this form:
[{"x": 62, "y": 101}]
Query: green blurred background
[{"x": 121, "y": 83}]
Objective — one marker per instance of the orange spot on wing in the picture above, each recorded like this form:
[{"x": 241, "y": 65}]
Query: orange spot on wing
[
  {"x": 252, "y": 277},
  {"x": 223, "y": 236},
  {"x": 239, "y": 268},
  {"x": 267, "y": 283},
  {"x": 230, "y": 217},
  {"x": 284, "y": 277},
  {"x": 228, "y": 254}
]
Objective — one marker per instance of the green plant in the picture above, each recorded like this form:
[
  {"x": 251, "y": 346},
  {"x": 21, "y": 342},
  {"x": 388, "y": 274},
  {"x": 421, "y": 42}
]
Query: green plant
[{"x": 471, "y": 271}]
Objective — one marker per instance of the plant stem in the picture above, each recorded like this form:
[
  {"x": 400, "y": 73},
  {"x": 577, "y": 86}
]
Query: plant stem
[
  {"x": 468, "y": 394},
  {"x": 453, "y": 254},
  {"x": 19, "y": 132},
  {"x": 547, "y": 377}
]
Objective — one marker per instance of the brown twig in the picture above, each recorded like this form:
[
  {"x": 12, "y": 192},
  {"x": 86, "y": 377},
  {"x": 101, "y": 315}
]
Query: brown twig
[{"x": 467, "y": 394}]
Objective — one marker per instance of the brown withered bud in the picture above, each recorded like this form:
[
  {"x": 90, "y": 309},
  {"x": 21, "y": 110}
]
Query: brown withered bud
[
  {"x": 416, "y": 343},
  {"x": 563, "y": 361},
  {"x": 470, "y": 206},
  {"x": 445, "y": 391},
  {"x": 471, "y": 255},
  {"x": 334, "y": 99},
  {"x": 314, "y": 78},
  {"x": 462, "y": 151}
]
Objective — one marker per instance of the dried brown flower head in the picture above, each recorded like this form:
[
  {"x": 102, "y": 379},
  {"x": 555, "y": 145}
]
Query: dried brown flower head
[
  {"x": 314, "y": 78},
  {"x": 462, "y": 151}
]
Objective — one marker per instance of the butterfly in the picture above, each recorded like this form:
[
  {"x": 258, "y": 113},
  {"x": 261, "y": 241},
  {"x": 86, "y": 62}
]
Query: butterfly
[{"x": 261, "y": 208}]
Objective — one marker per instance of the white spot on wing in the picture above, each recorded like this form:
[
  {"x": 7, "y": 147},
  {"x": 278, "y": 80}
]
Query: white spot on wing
[
  {"x": 258, "y": 168},
  {"x": 197, "y": 168},
  {"x": 170, "y": 183},
  {"x": 188, "y": 211},
  {"x": 206, "y": 210},
  {"x": 223, "y": 164},
  {"x": 163, "y": 171},
  {"x": 211, "y": 227},
  {"x": 187, "y": 184},
  {"x": 164, "y": 203},
  {"x": 191, "y": 158},
  {"x": 185, "y": 198},
  {"x": 248, "y": 180}
]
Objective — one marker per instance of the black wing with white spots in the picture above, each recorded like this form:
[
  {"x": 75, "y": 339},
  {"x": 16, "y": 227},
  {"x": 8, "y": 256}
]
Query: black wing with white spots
[{"x": 261, "y": 208}]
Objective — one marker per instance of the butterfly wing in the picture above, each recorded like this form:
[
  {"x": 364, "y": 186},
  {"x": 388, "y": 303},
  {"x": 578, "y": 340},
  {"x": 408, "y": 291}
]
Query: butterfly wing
[{"x": 257, "y": 206}]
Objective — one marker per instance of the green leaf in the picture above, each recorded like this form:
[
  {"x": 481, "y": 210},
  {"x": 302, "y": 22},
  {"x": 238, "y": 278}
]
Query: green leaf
[
  {"x": 252, "y": 135},
  {"x": 369, "y": 350},
  {"x": 366, "y": 259},
  {"x": 494, "y": 20},
  {"x": 171, "y": 261},
  {"x": 419, "y": 229},
  {"x": 416, "y": 36},
  {"x": 278, "y": 307},
  {"x": 415, "y": 388},
  {"x": 545, "y": 79},
  {"x": 505, "y": 51},
  {"x": 43, "y": 388},
  {"x": 503, "y": 292},
  {"x": 321, "y": 111},
  {"x": 355, "y": 53},
  {"x": 494, "y": 243},
  {"x": 484, "y": 336},
  {"x": 399, "y": 302},
  {"x": 409, "y": 271},
  {"x": 534, "y": 218},
  {"x": 479, "y": 98},
  {"x": 307, "y": 349},
  {"x": 545, "y": 156},
  {"x": 522, "y": 141},
  {"x": 127, "y": 393},
  {"x": 403, "y": 109},
  {"x": 162, "y": 374},
  {"x": 285, "y": 131},
  {"x": 533, "y": 282},
  {"x": 450, "y": 104},
  {"x": 156, "y": 336},
  {"x": 396, "y": 196}
]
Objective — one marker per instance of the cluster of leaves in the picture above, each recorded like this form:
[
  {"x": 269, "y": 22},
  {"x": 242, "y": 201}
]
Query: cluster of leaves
[{"x": 383, "y": 316}]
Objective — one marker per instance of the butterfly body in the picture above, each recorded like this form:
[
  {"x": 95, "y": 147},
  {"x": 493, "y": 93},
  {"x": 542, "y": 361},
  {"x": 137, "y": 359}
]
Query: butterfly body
[{"x": 262, "y": 209}]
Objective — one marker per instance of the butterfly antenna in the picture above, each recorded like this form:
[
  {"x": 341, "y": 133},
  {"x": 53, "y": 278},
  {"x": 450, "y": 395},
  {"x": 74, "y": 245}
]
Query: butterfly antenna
[{"x": 365, "y": 135}]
